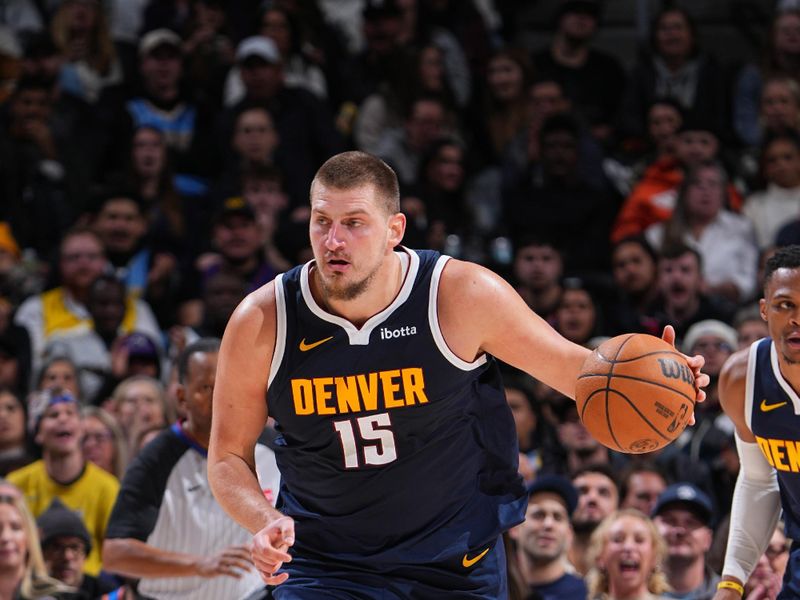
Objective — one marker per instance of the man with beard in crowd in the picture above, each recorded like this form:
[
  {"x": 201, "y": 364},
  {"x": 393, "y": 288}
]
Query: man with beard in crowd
[
  {"x": 598, "y": 497},
  {"x": 543, "y": 539},
  {"x": 538, "y": 266}
]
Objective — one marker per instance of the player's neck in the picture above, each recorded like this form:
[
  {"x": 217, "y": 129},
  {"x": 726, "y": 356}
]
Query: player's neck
[{"x": 382, "y": 291}]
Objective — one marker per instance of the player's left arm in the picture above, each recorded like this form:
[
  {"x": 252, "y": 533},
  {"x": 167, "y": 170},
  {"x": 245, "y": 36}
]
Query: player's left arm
[{"x": 480, "y": 312}]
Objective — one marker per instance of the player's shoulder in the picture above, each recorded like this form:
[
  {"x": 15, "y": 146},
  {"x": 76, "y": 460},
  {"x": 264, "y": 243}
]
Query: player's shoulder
[
  {"x": 460, "y": 277},
  {"x": 257, "y": 306},
  {"x": 733, "y": 384}
]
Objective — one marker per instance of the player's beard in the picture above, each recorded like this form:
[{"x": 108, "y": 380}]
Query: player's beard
[{"x": 349, "y": 291}]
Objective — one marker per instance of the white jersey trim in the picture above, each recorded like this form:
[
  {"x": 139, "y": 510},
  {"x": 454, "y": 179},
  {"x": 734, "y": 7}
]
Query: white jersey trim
[
  {"x": 750, "y": 384},
  {"x": 360, "y": 337},
  {"x": 433, "y": 321},
  {"x": 280, "y": 329},
  {"x": 776, "y": 370}
]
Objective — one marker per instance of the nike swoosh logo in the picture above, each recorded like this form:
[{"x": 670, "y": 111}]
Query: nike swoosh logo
[
  {"x": 468, "y": 562},
  {"x": 306, "y": 347},
  {"x": 768, "y": 407}
]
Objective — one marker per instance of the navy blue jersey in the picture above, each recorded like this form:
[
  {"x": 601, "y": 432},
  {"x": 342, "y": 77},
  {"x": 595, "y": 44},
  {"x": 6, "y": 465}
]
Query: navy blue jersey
[
  {"x": 392, "y": 448},
  {"x": 772, "y": 411}
]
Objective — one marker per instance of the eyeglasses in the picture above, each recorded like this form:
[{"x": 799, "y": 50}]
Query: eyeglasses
[{"x": 78, "y": 549}]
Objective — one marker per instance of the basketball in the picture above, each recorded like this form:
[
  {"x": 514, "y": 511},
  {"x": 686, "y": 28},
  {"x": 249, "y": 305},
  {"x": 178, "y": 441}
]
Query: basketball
[{"x": 635, "y": 393}]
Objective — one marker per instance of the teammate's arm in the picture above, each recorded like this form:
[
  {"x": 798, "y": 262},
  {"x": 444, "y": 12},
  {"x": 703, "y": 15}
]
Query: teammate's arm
[
  {"x": 480, "y": 312},
  {"x": 238, "y": 417},
  {"x": 756, "y": 499}
]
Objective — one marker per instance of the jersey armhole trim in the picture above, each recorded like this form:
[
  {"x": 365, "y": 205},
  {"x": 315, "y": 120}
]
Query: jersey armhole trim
[
  {"x": 433, "y": 321},
  {"x": 750, "y": 384},
  {"x": 280, "y": 329}
]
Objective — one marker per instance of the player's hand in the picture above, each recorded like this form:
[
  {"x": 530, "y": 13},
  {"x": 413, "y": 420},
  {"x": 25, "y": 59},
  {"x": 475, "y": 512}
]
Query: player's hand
[
  {"x": 232, "y": 562},
  {"x": 270, "y": 547},
  {"x": 696, "y": 363}
]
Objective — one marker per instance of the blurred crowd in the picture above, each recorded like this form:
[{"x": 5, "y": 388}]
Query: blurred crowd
[{"x": 155, "y": 161}]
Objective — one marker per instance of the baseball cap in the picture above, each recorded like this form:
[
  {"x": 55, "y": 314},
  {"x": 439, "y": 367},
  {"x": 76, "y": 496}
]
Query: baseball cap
[
  {"x": 156, "y": 38},
  {"x": 234, "y": 206},
  {"x": 380, "y": 8},
  {"x": 688, "y": 495},
  {"x": 139, "y": 344},
  {"x": 60, "y": 521},
  {"x": 558, "y": 485},
  {"x": 709, "y": 327},
  {"x": 258, "y": 46}
]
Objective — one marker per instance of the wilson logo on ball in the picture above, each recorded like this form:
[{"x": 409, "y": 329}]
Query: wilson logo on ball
[{"x": 674, "y": 370}]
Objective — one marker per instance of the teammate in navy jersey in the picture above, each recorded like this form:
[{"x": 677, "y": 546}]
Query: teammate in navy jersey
[
  {"x": 397, "y": 449},
  {"x": 758, "y": 389}
]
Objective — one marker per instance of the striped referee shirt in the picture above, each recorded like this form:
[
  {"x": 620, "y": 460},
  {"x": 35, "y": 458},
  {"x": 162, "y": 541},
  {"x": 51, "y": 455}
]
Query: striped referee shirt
[{"x": 166, "y": 501}]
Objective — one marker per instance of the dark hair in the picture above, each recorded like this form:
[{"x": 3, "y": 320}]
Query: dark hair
[
  {"x": 790, "y": 136},
  {"x": 207, "y": 345},
  {"x": 678, "y": 249},
  {"x": 647, "y": 466},
  {"x": 536, "y": 241},
  {"x": 786, "y": 257},
  {"x": 639, "y": 240},
  {"x": 32, "y": 82},
  {"x": 260, "y": 172},
  {"x": 108, "y": 195},
  {"x": 108, "y": 278},
  {"x": 349, "y": 170},
  {"x": 601, "y": 468},
  {"x": 559, "y": 123}
]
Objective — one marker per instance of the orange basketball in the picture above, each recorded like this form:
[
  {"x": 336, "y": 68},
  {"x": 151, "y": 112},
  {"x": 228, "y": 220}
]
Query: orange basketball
[{"x": 635, "y": 393}]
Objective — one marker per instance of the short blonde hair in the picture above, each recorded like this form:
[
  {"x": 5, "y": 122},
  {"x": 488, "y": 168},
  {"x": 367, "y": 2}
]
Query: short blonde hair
[{"x": 597, "y": 578}]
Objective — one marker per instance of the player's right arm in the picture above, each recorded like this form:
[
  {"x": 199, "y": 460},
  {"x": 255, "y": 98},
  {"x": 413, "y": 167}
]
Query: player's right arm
[
  {"x": 756, "y": 499},
  {"x": 238, "y": 417}
]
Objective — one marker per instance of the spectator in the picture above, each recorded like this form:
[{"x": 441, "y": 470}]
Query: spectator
[
  {"x": 634, "y": 267},
  {"x": 103, "y": 441},
  {"x": 593, "y": 80},
  {"x": 15, "y": 359},
  {"x": 59, "y": 373},
  {"x": 139, "y": 403},
  {"x": 15, "y": 451},
  {"x": 749, "y": 326},
  {"x": 726, "y": 241},
  {"x": 62, "y": 310},
  {"x": 303, "y": 124},
  {"x": 580, "y": 449},
  {"x": 165, "y": 105},
  {"x": 100, "y": 353},
  {"x": 626, "y": 555},
  {"x": 23, "y": 573},
  {"x": 543, "y": 538},
  {"x": 598, "y": 497},
  {"x": 779, "y": 203},
  {"x": 65, "y": 545},
  {"x": 556, "y": 200},
  {"x": 55, "y": 422},
  {"x": 640, "y": 486},
  {"x": 208, "y": 49},
  {"x": 780, "y": 61},
  {"x": 578, "y": 316},
  {"x": 80, "y": 31},
  {"x": 121, "y": 225},
  {"x": 683, "y": 515},
  {"x": 166, "y": 529},
  {"x": 39, "y": 192},
  {"x": 538, "y": 267},
  {"x": 222, "y": 293},
  {"x": 682, "y": 301},
  {"x": 674, "y": 66}
]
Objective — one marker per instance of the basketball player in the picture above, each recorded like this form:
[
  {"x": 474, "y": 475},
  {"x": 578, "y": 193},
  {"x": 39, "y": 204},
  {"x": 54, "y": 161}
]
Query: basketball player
[
  {"x": 397, "y": 451},
  {"x": 758, "y": 389}
]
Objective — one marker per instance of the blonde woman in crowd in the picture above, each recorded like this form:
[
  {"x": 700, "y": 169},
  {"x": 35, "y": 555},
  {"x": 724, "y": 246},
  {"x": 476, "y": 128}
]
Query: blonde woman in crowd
[
  {"x": 104, "y": 444},
  {"x": 139, "y": 403},
  {"x": 625, "y": 554},
  {"x": 23, "y": 575}
]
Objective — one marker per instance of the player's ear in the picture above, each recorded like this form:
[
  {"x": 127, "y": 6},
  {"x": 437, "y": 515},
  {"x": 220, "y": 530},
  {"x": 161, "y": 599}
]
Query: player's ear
[
  {"x": 397, "y": 228},
  {"x": 762, "y": 308}
]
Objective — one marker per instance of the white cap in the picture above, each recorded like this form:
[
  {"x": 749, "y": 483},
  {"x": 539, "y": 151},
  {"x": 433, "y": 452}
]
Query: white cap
[
  {"x": 9, "y": 45},
  {"x": 709, "y": 327},
  {"x": 260, "y": 46},
  {"x": 158, "y": 37}
]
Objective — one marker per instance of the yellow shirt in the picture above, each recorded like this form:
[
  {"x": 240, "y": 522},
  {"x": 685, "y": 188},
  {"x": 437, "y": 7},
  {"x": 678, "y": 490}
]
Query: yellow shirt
[{"x": 93, "y": 495}]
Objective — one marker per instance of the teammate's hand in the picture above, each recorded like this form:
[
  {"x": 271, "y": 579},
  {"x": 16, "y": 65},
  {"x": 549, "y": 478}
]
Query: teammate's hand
[
  {"x": 232, "y": 561},
  {"x": 270, "y": 547},
  {"x": 696, "y": 363}
]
